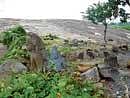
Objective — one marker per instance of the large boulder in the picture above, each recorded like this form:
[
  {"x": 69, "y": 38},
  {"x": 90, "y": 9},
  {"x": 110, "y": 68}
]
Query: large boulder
[
  {"x": 12, "y": 66},
  {"x": 119, "y": 87},
  {"x": 34, "y": 43},
  {"x": 109, "y": 73},
  {"x": 38, "y": 59},
  {"x": 91, "y": 74}
]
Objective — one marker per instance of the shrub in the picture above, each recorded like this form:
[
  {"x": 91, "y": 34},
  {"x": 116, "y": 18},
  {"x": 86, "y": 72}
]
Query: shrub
[
  {"x": 49, "y": 85},
  {"x": 14, "y": 39},
  {"x": 12, "y": 34}
]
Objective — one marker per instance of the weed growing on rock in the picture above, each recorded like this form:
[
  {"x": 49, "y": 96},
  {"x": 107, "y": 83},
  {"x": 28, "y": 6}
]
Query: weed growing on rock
[{"x": 14, "y": 39}]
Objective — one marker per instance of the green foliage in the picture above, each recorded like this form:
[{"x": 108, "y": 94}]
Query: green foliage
[
  {"x": 117, "y": 11},
  {"x": 50, "y": 37},
  {"x": 104, "y": 12},
  {"x": 12, "y": 34},
  {"x": 49, "y": 85},
  {"x": 125, "y": 26},
  {"x": 99, "y": 13},
  {"x": 66, "y": 49},
  {"x": 14, "y": 39}
]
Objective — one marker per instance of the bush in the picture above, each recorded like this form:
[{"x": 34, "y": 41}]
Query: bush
[
  {"x": 14, "y": 39},
  {"x": 12, "y": 34},
  {"x": 49, "y": 85}
]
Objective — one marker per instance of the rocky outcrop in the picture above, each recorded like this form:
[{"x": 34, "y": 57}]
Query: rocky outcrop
[
  {"x": 108, "y": 73},
  {"x": 116, "y": 81},
  {"x": 38, "y": 59},
  {"x": 91, "y": 74},
  {"x": 11, "y": 66},
  {"x": 66, "y": 28}
]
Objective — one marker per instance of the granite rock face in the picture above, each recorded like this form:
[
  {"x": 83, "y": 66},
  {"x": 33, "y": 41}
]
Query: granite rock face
[{"x": 66, "y": 28}]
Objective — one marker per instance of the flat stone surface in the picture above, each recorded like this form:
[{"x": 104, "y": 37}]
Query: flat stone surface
[{"x": 66, "y": 28}]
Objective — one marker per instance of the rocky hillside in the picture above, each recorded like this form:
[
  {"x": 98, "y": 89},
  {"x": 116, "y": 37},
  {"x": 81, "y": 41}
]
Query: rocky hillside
[{"x": 66, "y": 28}]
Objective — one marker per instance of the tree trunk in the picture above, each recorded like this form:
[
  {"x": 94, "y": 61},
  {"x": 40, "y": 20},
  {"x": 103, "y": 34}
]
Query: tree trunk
[{"x": 105, "y": 30}]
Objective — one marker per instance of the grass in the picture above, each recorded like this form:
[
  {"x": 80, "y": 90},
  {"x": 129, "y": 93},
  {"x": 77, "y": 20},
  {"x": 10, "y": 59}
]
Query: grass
[
  {"x": 48, "y": 85},
  {"x": 122, "y": 26}
]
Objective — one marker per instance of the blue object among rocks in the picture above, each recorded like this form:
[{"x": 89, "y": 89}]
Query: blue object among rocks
[{"x": 57, "y": 59}]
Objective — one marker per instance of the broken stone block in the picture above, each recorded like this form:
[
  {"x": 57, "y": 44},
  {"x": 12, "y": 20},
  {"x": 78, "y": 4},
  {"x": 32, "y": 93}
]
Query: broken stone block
[{"x": 91, "y": 74}]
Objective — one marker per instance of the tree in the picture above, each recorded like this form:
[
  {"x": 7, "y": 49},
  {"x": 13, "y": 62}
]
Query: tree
[
  {"x": 128, "y": 2},
  {"x": 124, "y": 1},
  {"x": 119, "y": 12},
  {"x": 104, "y": 12},
  {"x": 99, "y": 13}
]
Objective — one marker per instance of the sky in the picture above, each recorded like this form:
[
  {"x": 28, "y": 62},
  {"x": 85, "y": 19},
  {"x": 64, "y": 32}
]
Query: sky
[{"x": 44, "y": 9}]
